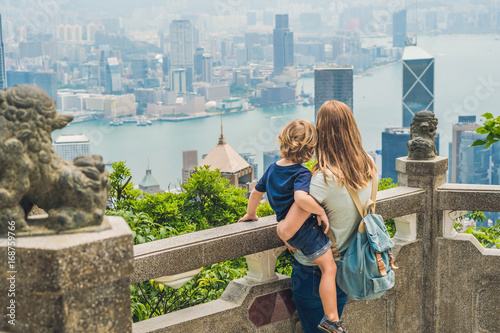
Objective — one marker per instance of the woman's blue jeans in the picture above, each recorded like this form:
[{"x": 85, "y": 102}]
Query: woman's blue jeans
[{"x": 305, "y": 290}]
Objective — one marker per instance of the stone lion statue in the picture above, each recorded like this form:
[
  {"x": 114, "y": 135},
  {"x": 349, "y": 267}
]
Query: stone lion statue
[
  {"x": 422, "y": 144},
  {"x": 31, "y": 173}
]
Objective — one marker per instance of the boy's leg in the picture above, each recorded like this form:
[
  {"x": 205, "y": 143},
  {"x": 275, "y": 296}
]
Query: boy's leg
[{"x": 327, "y": 286}]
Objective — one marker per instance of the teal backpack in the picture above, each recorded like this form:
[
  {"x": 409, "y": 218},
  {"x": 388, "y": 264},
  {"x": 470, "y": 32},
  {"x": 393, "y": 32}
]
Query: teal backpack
[{"x": 367, "y": 267}]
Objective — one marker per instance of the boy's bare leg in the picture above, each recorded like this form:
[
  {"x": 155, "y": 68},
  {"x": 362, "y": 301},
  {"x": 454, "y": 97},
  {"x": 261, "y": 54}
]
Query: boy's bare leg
[{"x": 327, "y": 286}]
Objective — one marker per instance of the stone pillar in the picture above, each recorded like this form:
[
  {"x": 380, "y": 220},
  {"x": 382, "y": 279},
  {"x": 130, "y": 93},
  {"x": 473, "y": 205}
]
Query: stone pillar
[
  {"x": 69, "y": 282},
  {"x": 428, "y": 175},
  {"x": 262, "y": 265}
]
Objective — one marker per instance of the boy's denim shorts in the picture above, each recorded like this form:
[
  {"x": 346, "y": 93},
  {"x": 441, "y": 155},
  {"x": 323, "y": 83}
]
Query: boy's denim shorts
[{"x": 310, "y": 239}]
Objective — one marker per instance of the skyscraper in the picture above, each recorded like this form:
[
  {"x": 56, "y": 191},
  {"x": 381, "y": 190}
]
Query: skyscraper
[
  {"x": 333, "y": 82},
  {"x": 207, "y": 68},
  {"x": 45, "y": 80},
  {"x": 418, "y": 82},
  {"x": 113, "y": 77},
  {"x": 399, "y": 28},
  {"x": 3, "y": 78},
  {"x": 283, "y": 44},
  {"x": 181, "y": 39},
  {"x": 465, "y": 123},
  {"x": 394, "y": 141},
  {"x": 189, "y": 161},
  {"x": 474, "y": 162}
]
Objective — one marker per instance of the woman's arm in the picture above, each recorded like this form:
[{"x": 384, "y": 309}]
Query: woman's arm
[
  {"x": 293, "y": 221},
  {"x": 307, "y": 202}
]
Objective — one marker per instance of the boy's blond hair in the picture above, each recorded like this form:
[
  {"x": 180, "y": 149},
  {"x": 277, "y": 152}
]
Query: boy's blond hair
[{"x": 297, "y": 141}]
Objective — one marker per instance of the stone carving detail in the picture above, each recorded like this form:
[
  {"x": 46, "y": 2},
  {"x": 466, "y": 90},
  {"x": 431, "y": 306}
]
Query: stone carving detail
[
  {"x": 74, "y": 194},
  {"x": 422, "y": 144}
]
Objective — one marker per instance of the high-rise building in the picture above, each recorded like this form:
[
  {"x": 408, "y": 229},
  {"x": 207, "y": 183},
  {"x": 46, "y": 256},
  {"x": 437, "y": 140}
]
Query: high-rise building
[
  {"x": 3, "y": 77},
  {"x": 181, "y": 40},
  {"x": 178, "y": 80},
  {"x": 418, "y": 82},
  {"x": 283, "y": 44},
  {"x": 70, "y": 146},
  {"x": 166, "y": 66},
  {"x": 207, "y": 68},
  {"x": 473, "y": 162},
  {"x": 251, "y": 18},
  {"x": 333, "y": 82},
  {"x": 399, "y": 28},
  {"x": 250, "y": 158},
  {"x": 198, "y": 59},
  {"x": 113, "y": 77},
  {"x": 189, "y": 161},
  {"x": 394, "y": 142},
  {"x": 270, "y": 157},
  {"x": 465, "y": 123},
  {"x": 45, "y": 80},
  {"x": 140, "y": 69}
]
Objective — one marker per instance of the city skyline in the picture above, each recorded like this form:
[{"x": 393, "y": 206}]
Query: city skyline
[{"x": 189, "y": 62}]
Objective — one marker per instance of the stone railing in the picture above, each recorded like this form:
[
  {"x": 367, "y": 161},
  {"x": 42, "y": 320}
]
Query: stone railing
[
  {"x": 438, "y": 269},
  {"x": 446, "y": 282}
]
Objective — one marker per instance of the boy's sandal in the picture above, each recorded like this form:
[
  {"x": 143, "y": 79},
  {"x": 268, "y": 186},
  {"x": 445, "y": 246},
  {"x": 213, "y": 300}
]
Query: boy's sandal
[{"x": 331, "y": 326}]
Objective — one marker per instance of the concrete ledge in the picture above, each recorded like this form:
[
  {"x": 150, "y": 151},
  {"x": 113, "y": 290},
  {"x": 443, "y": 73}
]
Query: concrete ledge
[
  {"x": 469, "y": 197},
  {"x": 400, "y": 201},
  {"x": 228, "y": 314},
  {"x": 187, "y": 252}
]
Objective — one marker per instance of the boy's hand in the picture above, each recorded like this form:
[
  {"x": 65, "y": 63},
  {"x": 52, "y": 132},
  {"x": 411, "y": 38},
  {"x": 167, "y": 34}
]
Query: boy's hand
[
  {"x": 249, "y": 218},
  {"x": 323, "y": 222}
]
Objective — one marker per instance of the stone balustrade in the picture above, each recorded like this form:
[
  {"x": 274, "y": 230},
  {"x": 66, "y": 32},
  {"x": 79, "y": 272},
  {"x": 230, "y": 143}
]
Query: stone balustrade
[
  {"x": 446, "y": 281},
  {"x": 441, "y": 273}
]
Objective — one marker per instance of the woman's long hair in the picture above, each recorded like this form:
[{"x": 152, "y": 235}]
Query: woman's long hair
[{"x": 339, "y": 151}]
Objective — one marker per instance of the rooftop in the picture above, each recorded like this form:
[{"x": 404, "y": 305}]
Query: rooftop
[
  {"x": 415, "y": 53},
  {"x": 148, "y": 180},
  {"x": 71, "y": 138},
  {"x": 224, "y": 158}
]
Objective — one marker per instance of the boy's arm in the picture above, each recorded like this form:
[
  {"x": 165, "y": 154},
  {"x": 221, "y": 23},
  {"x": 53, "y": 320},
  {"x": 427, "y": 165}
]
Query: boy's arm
[
  {"x": 253, "y": 202},
  {"x": 308, "y": 203}
]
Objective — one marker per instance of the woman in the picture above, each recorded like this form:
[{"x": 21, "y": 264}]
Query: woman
[{"x": 341, "y": 160}]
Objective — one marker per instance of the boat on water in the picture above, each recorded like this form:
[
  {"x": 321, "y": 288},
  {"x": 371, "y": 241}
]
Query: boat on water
[
  {"x": 142, "y": 122},
  {"x": 116, "y": 122},
  {"x": 149, "y": 122}
]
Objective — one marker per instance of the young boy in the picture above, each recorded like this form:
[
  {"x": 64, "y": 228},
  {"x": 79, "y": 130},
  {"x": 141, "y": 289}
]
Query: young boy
[{"x": 286, "y": 182}]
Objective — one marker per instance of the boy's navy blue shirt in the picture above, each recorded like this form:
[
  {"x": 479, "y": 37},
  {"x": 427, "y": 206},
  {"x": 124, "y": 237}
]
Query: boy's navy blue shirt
[{"x": 280, "y": 184}]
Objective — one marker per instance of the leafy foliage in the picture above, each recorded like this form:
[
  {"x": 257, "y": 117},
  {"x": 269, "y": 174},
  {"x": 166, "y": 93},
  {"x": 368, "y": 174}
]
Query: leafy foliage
[
  {"x": 491, "y": 127},
  {"x": 207, "y": 200},
  {"x": 122, "y": 191},
  {"x": 488, "y": 237},
  {"x": 384, "y": 184}
]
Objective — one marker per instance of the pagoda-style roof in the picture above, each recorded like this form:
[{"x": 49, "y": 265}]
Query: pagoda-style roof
[
  {"x": 148, "y": 180},
  {"x": 224, "y": 158}
]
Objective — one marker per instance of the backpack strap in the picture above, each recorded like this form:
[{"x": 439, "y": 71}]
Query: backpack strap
[{"x": 370, "y": 203}]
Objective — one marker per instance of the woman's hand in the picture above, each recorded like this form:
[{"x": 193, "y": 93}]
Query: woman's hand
[{"x": 249, "y": 218}]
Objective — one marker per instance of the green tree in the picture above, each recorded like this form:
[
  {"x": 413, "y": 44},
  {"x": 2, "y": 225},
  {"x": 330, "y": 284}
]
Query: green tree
[
  {"x": 122, "y": 192},
  {"x": 491, "y": 127},
  {"x": 210, "y": 200}
]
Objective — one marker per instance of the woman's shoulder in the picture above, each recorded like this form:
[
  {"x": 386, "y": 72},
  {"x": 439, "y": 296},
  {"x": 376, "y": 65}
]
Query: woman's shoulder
[{"x": 318, "y": 178}]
